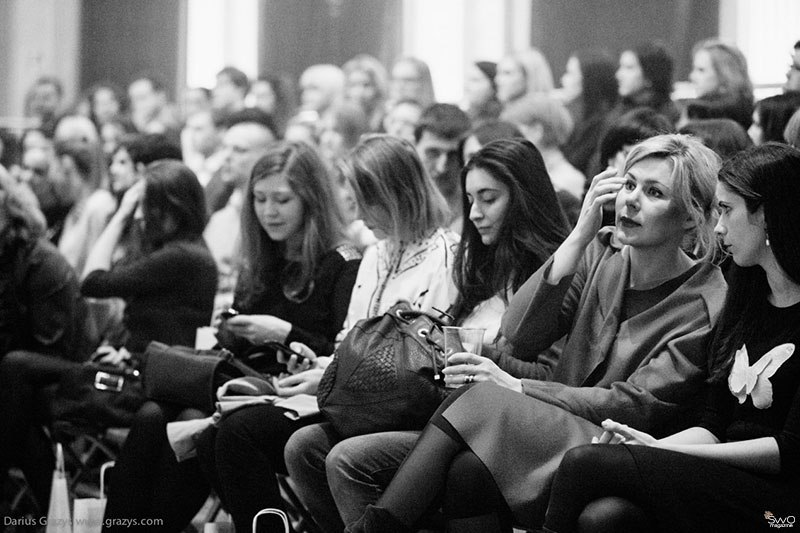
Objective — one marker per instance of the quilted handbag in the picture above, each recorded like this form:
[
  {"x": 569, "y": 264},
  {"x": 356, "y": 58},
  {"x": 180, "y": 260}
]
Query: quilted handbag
[{"x": 385, "y": 375}]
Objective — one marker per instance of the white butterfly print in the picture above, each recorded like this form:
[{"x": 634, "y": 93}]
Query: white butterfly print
[{"x": 754, "y": 380}]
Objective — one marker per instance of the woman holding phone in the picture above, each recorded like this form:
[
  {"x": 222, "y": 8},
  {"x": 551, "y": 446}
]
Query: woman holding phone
[{"x": 294, "y": 285}]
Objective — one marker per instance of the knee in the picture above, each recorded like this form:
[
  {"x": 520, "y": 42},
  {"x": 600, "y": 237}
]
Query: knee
[
  {"x": 582, "y": 459},
  {"x": 304, "y": 450},
  {"x": 612, "y": 514},
  {"x": 150, "y": 413}
]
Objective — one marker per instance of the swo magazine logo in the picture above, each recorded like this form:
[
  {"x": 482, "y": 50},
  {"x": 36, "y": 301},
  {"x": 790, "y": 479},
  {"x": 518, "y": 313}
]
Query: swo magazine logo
[{"x": 774, "y": 521}]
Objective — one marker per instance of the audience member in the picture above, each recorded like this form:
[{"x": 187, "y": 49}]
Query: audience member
[
  {"x": 737, "y": 468},
  {"x": 412, "y": 262},
  {"x": 195, "y": 99},
  {"x": 402, "y": 118},
  {"x": 201, "y": 140},
  {"x": 437, "y": 136},
  {"x": 514, "y": 226},
  {"x": 639, "y": 298},
  {"x": 545, "y": 122},
  {"x": 249, "y": 134},
  {"x": 522, "y": 73},
  {"x": 106, "y": 104},
  {"x": 41, "y": 334},
  {"x": 480, "y": 92},
  {"x": 589, "y": 87},
  {"x": 274, "y": 94},
  {"x": 321, "y": 87},
  {"x": 629, "y": 130},
  {"x": 793, "y": 74},
  {"x": 295, "y": 287},
  {"x": 723, "y": 135},
  {"x": 340, "y": 130},
  {"x": 486, "y": 132},
  {"x": 771, "y": 115},
  {"x": 92, "y": 204},
  {"x": 720, "y": 78},
  {"x": 151, "y": 111},
  {"x": 411, "y": 80},
  {"x": 44, "y": 102},
  {"x": 366, "y": 85},
  {"x": 791, "y": 134},
  {"x": 228, "y": 94},
  {"x": 644, "y": 79}
]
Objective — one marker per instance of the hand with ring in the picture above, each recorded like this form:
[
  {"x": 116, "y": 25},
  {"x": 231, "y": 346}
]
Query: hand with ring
[
  {"x": 469, "y": 378},
  {"x": 464, "y": 368}
]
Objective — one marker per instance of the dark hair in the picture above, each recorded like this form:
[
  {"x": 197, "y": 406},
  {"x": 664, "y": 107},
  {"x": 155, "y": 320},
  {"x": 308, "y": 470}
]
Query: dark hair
[
  {"x": 84, "y": 159},
  {"x": 350, "y": 121},
  {"x": 632, "y": 127},
  {"x": 774, "y": 113},
  {"x": 26, "y": 223},
  {"x": 598, "y": 68},
  {"x": 10, "y": 149},
  {"x": 720, "y": 106},
  {"x": 118, "y": 93},
  {"x": 172, "y": 189},
  {"x": 237, "y": 77},
  {"x": 765, "y": 177},
  {"x": 252, "y": 115},
  {"x": 443, "y": 120},
  {"x": 282, "y": 88},
  {"x": 149, "y": 147},
  {"x": 266, "y": 266},
  {"x": 657, "y": 68},
  {"x": 533, "y": 228},
  {"x": 723, "y": 135}
]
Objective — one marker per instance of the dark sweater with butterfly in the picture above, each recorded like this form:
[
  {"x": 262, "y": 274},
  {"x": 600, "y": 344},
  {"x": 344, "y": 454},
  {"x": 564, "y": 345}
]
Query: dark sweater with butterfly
[{"x": 729, "y": 420}]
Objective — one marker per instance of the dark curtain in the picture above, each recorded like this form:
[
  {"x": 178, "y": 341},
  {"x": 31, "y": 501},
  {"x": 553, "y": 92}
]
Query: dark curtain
[
  {"x": 561, "y": 27},
  {"x": 122, "y": 39},
  {"x": 296, "y": 34}
]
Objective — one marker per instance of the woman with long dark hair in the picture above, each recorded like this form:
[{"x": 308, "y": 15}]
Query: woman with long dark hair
[
  {"x": 737, "y": 469},
  {"x": 516, "y": 223},
  {"x": 644, "y": 79}
]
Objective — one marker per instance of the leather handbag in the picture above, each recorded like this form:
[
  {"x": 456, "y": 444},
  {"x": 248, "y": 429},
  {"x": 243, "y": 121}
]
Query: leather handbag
[
  {"x": 99, "y": 395},
  {"x": 385, "y": 375},
  {"x": 189, "y": 377}
]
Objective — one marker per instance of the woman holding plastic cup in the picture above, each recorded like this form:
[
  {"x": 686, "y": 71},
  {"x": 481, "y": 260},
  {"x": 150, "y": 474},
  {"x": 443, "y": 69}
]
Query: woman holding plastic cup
[
  {"x": 516, "y": 224},
  {"x": 637, "y": 304}
]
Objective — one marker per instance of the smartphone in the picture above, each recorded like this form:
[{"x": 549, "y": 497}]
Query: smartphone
[
  {"x": 229, "y": 313},
  {"x": 285, "y": 349}
]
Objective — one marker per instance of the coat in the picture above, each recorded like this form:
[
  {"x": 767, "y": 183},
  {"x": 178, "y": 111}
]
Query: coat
[{"x": 647, "y": 371}]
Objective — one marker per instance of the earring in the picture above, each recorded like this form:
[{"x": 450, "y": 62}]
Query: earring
[{"x": 766, "y": 240}]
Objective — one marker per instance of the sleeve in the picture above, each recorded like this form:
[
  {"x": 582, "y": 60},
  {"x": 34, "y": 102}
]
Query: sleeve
[
  {"x": 541, "y": 313},
  {"x": 151, "y": 274},
  {"x": 52, "y": 301},
  {"x": 658, "y": 390},
  {"x": 540, "y": 369},
  {"x": 342, "y": 282},
  {"x": 789, "y": 440}
]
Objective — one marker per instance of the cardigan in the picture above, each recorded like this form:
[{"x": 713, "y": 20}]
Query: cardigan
[
  {"x": 648, "y": 371},
  {"x": 168, "y": 293}
]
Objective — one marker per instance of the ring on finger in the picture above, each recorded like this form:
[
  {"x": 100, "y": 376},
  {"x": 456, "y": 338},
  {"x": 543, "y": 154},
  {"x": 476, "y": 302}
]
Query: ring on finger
[{"x": 469, "y": 378}]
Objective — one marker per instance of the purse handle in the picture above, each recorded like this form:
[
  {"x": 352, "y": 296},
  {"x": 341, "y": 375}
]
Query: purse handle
[{"x": 268, "y": 510}]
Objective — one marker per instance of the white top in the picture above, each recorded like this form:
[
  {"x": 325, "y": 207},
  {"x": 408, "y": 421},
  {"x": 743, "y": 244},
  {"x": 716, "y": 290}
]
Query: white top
[
  {"x": 83, "y": 225},
  {"x": 420, "y": 273}
]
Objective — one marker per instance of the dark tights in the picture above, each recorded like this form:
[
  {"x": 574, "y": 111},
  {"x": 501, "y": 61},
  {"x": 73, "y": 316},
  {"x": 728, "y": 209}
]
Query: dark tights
[
  {"x": 23, "y": 442},
  {"x": 148, "y": 481},
  {"x": 583, "y": 496},
  {"x": 442, "y": 470}
]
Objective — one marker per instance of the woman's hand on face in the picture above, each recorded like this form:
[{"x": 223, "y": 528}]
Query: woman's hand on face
[
  {"x": 259, "y": 329},
  {"x": 602, "y": 190},
  {"x": 305, "y": 382},
  {"x": 616, "y": 433},
  {"x": 131, "y": 199},
  {"x": 460, "y": 365}
]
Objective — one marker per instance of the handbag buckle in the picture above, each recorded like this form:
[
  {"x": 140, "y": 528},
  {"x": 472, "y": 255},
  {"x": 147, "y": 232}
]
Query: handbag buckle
[{"x": 110, "y": 382}]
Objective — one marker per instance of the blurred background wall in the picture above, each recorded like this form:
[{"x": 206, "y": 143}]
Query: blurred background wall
[{"x": 185, "y": 42}]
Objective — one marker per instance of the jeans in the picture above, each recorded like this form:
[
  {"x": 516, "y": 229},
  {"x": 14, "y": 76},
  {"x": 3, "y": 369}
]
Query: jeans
[{"x": 336, "y": 479}]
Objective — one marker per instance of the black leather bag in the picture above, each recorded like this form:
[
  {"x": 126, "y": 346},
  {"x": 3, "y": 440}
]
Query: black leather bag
[
  {"x": 99, "y": 395},
  {"x": 385, "y": 375},
  {"x": 189, "y": 377}
]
